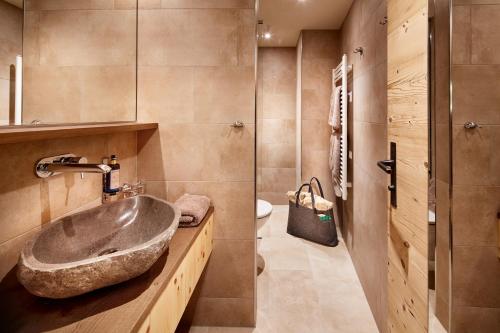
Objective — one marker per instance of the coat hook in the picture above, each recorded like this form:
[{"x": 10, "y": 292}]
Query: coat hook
[{"x": 359, "y": 50}]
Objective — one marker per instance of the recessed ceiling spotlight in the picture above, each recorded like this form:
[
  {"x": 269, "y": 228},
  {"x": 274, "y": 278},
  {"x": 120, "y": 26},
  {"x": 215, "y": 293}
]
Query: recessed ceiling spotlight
[{"x": 267, "y": 35}]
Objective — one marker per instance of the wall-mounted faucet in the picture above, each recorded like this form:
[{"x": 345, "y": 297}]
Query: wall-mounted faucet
[{"x": 54, "y": 165}]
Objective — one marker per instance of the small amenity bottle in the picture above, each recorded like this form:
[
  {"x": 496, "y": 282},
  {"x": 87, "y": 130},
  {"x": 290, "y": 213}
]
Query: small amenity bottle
[{"x": 112, "y": 179}]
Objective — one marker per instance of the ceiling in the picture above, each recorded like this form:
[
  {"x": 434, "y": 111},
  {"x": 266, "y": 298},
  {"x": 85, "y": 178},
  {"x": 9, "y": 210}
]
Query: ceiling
[
  {"x": 286, "y": 18},
  {"x": 17, "y": 3}
]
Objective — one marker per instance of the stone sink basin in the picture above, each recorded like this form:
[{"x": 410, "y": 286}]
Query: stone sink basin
[{"x": 99, "y": 247}]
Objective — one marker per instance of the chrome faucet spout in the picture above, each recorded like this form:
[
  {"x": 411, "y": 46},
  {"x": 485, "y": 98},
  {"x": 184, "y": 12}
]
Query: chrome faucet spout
[
  {"x": 68, "y": 163},
  {"x": 77, "y": 167}
]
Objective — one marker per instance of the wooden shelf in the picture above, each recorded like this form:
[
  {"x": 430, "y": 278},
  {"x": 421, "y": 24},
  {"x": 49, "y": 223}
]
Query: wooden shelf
[{"x": 37, "y": 133}]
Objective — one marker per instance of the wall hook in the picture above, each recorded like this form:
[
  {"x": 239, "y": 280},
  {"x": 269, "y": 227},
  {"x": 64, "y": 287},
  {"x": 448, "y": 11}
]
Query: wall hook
[
  {"x": 359, "y": 50},
  {"x": 384, "y": 21}
]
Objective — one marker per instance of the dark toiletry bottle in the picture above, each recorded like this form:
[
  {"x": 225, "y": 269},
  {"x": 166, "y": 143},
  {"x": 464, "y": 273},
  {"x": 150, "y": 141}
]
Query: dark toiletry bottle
[{"x": 112, "y": 179}]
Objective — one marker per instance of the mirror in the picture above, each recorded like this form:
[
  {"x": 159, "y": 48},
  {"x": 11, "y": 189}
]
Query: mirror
[
  {"x": 11, "y": 47},
  {"x": 78, "y": 61}
]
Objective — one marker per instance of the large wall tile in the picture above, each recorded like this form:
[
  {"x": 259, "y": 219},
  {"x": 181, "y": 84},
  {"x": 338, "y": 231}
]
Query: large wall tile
[
  {"x": 207, "y": 4},
  {"x": 166, "y": 94},
  {"x": 485, "y": 42},
  {"x": 67, "y": 5},
  {"x": 315, "y": 164},
  {"x": 278, "y": 106},
  {"x": 276, "y": 131},
  {"x": 247, "y": 42},
  {"x": 278, "y": 180},
  {"x": 475, "y": 210},
  {"x": 473, "y": 319},
  {"x": 227, "y": 276},
  {"x": 209, "y": 152},
  {"x": 462, "y": 35},
  {"x": 316, "y": 134},
  {"x": 278, "y": 155},
  {"x": 233, "y": 202},
  {"x": 474, "y": 158},
  {"x": 370, "y": 146},
  {"x": 370, "y": 96},
  {"x": 320, "y": 44},
  {"x": 108, "y": 93},
  {"x": 88, "y": 38},
  {"x": 211, "y": 311},
  {"x": 476, "y": 94},
  {"x": 151, "y": 159},
  {"x": 46, "y": 99},
  {"x": 279, "y": 70},
  {"x": 222, "y": 94},
  {"x": 201, "y": 37},
  {"x": 472, "y": 267}
]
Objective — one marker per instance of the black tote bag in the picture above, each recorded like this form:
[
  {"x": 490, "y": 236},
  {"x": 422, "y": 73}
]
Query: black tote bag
[{"x": 312, "y": 224}]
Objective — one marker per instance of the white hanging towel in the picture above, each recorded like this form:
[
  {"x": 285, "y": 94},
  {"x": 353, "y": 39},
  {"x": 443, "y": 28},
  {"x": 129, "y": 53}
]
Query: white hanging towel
[
  {"x": 334, "y": 117},
  {"x": 335, "y": 141},
  {"x": 334, "y": 162}
]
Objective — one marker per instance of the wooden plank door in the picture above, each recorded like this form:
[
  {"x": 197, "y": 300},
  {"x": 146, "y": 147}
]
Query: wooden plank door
[{"x": 408, "y": 123}]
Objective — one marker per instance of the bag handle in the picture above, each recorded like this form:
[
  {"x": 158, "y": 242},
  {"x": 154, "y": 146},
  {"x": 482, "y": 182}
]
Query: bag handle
[
  {"x": 312, "y": 196},
  {"x": 298, "y": 193},
  {"x": 319, "y": 185}
]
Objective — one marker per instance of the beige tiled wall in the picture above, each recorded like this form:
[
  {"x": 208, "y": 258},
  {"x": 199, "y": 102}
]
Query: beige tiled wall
[
  {"x": 364, "y": 224},
  {"x": 320, "y": 54},
  {"x": 79, "y": 61},
  {"x": 276, "y": 129},
  {"x": 11, "y": 30},
  {"x": 476, "y": 165},
  {"x": 196, "y": 77},
  {"x": 28, "y": 202}
]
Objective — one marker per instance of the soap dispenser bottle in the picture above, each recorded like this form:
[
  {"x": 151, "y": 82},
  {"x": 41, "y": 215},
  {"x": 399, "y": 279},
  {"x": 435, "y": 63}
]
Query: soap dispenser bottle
[{"x": 112, "y": 179}]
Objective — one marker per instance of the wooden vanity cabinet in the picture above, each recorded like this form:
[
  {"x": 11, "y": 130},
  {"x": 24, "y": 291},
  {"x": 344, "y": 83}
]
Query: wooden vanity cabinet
[{"x": 168, "y": 309}]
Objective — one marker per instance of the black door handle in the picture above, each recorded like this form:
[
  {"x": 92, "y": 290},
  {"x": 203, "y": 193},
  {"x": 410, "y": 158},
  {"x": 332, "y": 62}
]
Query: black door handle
[
  {"x": 389, "y": 167},
  {"x": 386, "y": 165}
]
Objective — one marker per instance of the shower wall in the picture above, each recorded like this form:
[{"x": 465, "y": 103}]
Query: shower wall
[
  {"x": 475, "y": 166},
  {"x": 276, "y": 125},
  {"x": 320, "y": 54},
  {"x": 364, "y": 224}
]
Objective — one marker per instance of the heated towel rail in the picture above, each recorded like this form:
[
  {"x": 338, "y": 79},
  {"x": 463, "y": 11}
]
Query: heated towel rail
[{"x": 340, "y": 73}]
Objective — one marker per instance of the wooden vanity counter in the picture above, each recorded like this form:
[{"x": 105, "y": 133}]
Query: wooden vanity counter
[{"x": 126, "y": 307}]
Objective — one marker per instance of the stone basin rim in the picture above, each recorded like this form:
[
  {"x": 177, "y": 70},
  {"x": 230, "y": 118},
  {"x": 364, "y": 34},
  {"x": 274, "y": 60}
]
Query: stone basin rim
[{"x": 30, "y": 261}]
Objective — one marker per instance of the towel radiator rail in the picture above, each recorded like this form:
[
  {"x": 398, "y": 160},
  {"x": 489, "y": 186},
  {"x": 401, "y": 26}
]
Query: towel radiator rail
[{"x": 341, "y": 73}]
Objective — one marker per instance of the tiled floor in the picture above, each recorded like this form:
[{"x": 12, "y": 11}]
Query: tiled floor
[{"x": 305, "y": 287}]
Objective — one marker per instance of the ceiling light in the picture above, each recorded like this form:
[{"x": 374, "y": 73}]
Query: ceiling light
[{"x": 267, "y": 35}]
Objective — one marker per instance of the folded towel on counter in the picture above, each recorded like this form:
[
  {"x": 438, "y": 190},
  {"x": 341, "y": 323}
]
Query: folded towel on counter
[
  {"x": 334, "y": 117},
  {"x": 306, "y": 201},
  {"x": 193, "y": 209}
]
